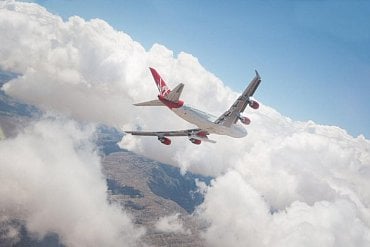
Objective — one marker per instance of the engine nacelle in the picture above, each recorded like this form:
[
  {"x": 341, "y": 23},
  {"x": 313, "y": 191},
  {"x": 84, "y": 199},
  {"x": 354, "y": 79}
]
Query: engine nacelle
[
  {"x": 254, "y": 104},
  {"x": 195, "y": 141},
  {"x": 244, "y": 120},
  {"x": 165, "y": 140}
]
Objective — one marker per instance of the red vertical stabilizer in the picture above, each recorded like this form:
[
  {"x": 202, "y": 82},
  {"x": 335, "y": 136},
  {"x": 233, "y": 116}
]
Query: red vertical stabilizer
[{"x": 161, "y": 84}]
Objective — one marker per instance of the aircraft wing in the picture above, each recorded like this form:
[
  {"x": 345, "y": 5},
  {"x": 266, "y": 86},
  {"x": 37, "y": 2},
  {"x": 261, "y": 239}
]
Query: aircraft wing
[
  {"x": 231, "y": 116},
  {"x": 198, "y": 134},
  {"x": 164, "y": 133}
]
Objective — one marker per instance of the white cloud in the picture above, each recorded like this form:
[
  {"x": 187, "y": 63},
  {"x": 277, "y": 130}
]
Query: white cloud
[
  {"x": 171, "y": 223},
  {"x": 314, "y": 178},
  {"x": 87, "y": 69},
  {"x": 240, "y": 215},
  {"x": 292, "y": 184},
  {"x": 91, "y": 72},
  {"x": 51, "y": 179}
]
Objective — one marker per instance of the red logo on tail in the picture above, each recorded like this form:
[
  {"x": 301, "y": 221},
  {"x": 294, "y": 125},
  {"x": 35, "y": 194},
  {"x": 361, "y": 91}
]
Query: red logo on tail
[{"x": 161, "y": 84}]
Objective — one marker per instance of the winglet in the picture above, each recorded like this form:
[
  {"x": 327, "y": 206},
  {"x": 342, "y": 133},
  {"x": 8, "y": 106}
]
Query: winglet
[{"x": 257, "y": 74}]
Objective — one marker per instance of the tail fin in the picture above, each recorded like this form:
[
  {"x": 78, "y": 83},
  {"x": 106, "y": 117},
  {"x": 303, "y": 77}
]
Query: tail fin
[
  {"x": 166, "y": 97},
  {"x": 161, "y": 84}
]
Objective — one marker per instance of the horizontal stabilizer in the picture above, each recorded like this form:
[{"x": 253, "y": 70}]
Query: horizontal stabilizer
[
  {"x": 150, "y": 103},
  {"x": 175, "y": 94}
]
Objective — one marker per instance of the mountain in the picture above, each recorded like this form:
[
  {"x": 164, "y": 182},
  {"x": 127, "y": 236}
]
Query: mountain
[
  {"x": 149, "y": 190},
  {"x": 13, "y": 114},
  {"x": 10, "y": 106}
]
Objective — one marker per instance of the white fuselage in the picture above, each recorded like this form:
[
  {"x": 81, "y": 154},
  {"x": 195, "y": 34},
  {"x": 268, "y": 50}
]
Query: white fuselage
[{"x": 205, "y": 121}]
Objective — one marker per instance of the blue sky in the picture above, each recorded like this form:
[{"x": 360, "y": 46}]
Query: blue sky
[{"x": 313, "y": 56}]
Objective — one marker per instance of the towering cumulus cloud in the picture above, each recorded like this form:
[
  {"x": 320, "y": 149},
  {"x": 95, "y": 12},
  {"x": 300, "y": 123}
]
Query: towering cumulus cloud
[
  {"x": 288, "y": 183},
  {"x": 291, "y": 184}
]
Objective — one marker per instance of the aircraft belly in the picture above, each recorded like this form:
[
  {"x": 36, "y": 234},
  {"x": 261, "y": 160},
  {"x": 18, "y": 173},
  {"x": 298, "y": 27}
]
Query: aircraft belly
[{"x": 235, "y": 131}]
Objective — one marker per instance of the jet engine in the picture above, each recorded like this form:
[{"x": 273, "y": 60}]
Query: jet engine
[
  {"x": 254, "y": 104},
  {"x": 165, "y": 140},
  {"x": 244, "y": 120},
  {"x": 195, "y": 141}
]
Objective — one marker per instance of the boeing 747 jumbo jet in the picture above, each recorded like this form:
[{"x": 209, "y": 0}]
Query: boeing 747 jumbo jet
[{"x": 227, "y": 124}]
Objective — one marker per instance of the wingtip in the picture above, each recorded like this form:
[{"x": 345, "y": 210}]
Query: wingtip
[{"x": 257, "y": 74}]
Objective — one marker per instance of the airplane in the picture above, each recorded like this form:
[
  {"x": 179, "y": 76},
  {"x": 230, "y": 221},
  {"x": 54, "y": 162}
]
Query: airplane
[{"x": 227, "y": 124}]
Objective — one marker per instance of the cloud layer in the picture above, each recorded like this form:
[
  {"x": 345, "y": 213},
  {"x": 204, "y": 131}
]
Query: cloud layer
[
  {"x": 171, "y": 223},
  {"x": 51, "y": 179},
  {"x": 86, "y": 68},
  {"x": 293, "y": 184},
  {"x": 288, "y": 183}
]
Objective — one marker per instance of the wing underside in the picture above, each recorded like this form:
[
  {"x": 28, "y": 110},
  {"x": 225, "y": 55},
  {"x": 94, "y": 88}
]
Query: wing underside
[
  {"x": 233, "y": 113},
  {"x": 198, "y": 134},
  {"x": 162, "y": 133}
]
